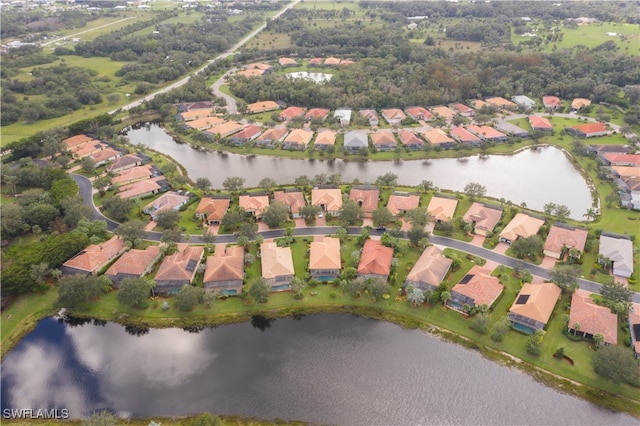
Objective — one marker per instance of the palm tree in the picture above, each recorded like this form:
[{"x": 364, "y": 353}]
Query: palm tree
[
  {"x": 576, "y": 327},
  {"x": 590, "y": 214}
]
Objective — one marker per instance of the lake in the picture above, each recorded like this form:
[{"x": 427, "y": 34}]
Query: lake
[
  {"x": 535, "y": 177},
  {"x": 328, "y": 368}
]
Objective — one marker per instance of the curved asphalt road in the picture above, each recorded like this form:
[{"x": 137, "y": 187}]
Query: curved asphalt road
[{"x": 86, "y": 193}]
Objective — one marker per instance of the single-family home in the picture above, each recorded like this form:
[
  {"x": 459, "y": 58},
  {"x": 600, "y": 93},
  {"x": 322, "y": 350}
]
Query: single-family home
[
  {"x": 93, "y": 258},
  {"x": 346, "y": 62},
  {"x": 443, "y": 112},
  {"x": 178, "y": 269},
  {"x": 277, "y": 266},
  {"x": 626, "y": 172},
  {"x": 442, "y": 208},
  {"x": 133, "y": 174},
  {"x": 401, "y": 202},
  {"x": 375, "y": 260},
  {"x": 89, "y": 148},
  {"x": 533, "y": 306},
  {"x": 263, "y": 106},
  {"x": 524, "y": 102},
  {"x": 562, "y": 238},
  {"x": 249, "y": 133},
  {"x": 410, "y": 140},
  {"x": 343, "y": 116},
  {"x": 133, "y": 264},
  {"x": 617, "y": 251},
  {"x": 477, "y": 104},
  {"x": 371, "y": 115},
  {"x": 253, "y": 72},
  {"x": 331, "y": 62},
  {"x": 367, "y": 198},
  {"x": 255, "y": 203},
  {"x": 540, "y": 124},
  {"x": 587, "y": 318},
  {"x": 141, "y": 188},
  {"x": 271, "y": 137},
  {"x": 511, "y": 129},
  {"x": 223, "y": 130},
  {"x": 194, "y": 114},
  {"x": 126, "y": 162},
  {"x": 419, "y": 113},
  {"x": 324, "y": 258},
  {"x": 384, "y": 140},
  {"x": 521, "y": 226},
  {"x": 168, "y": 201},
  {"x": 429, "y": 270},
  {"x": 287, "y": 62},
  {"x": 476, "y": 288},
  {"x": 260, "y": 66},
  {"x": 293, "y": 199},
  {"x": 462, "y": 109},
  {"x": 634, "y": 328},
  {"x": 487, "y": 133},
  {"x": 501, "y": 103},
  {"x": 291, "y": 113},
  {"x": 224, "y": 271},
  {"x": 325, "y": 139},
  {"x": 317, "y": 114},
  {"x": 297, "y": 139},
  {"x": 462, "y": 135},
  {"x": 204, "y": 123},
  {"x": 212, "y": 209},
  {"x": 578, "y": 103},
  {"x": 482, "y": 218},
  {"x": 104, "y": 156},
  {"x": 328, "y": 198},
  {"x": 76, "y": 142},
  {"x": 621, "y": 159},
  {"x": 551, "y": 102},
  {"x": 315, "y": 62},
  {"x": 438, "y": 138},
  {"x": 393, "y": 116},
  {"x": 589, "y": 130},
  {"x": 355, "y": 140}
]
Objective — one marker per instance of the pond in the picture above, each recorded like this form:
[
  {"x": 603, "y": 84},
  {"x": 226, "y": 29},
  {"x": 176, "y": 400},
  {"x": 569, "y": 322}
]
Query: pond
[
  {"x": 329, "y": 368},
  {"x": 535, "y": 177}
]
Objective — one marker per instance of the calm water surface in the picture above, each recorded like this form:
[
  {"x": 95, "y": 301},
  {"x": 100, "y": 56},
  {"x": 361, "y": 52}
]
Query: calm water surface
[
  {"x": 534, "y": 177},
  {"x": 336, "y": 369}
]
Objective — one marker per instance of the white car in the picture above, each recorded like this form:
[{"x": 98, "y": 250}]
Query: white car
[{"x": 320, "y": 215}]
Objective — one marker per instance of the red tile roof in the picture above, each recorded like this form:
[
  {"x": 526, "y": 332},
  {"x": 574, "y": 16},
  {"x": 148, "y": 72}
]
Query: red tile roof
[
  {"x": 134, "y": 262},
  {"x": 562, "y": 237},
  {"x": 294, "y": 199},
  {"x": 96, "y": 256},
  {"x": 317, "y": 113},
  {"x": 551, "y": 101},
  {"x": 176, "y": 267},
  {"x": 226, "y": 265},
  {"x": 463, "y": 135},
  {"x": 593, "y": 319},
  {"x": 482, "y": 287},
  {"x": 367, "y": 198},
  {"x": 409, "y": 138},
  {"x": 590, "y": 128},
  {"x": 375, "y": 259},
  {"x": 212, "y": 209},
  {"x": 538, "y": 122},
  {"x": 292, "y": 112},
  {"x": 399, "y": 203},
  {"x": 417, "y": 112}
]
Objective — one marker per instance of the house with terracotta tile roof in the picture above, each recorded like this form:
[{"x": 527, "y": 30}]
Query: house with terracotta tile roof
[
  {"x": 500, "y": 103},
  {"x": 487, "y": 133},
  {"x": 325, "y": 139},
  {"x": 343, "y": 116},
  {"x": 533, "y": 306},
  {"x": 540, "y": 124},
  {"x": 126, "y": 162},
  {"x": 140, "y": 189},
  {"x": 355, "y": 140},
  {"x": 626, "y": 172},
  {"x": 401, "y": 202},
  {"x": 463, "y": 110},
  {"x": 212, "y": 209},
  {"x": 178, "y": 269},
  {"x": 315, "y": 62},
  {"x": 589, "y": 130},
  {"x": 462, "y": 135},
  {"x": 287, "y": 62},
  {"x": 247, "y": 134},
  {"x": 634, "y": 328},
  {"x": 293, "y": 199},
  {"x": 429, "y": 270},
  {"x": 476, "y": 288},
  {"x": 410, "y": 140},
  {"x": 277, "y": 266},
  {"x": 92, "y": 259},
  {"x": 271, "y": 137},
  {"x": 254, "y": 72},
  {"x": 393, "y": 116},
  {"x": 255, "y": 204},
  {"x": 419, "y": 113},
  {"x": 443, "y": 112},
  {"x": 167, "y": 201},
  {"x": 367, "y": 198},
  {"x": 618, "y": 249},
  {"x": 375, "y": 260},
  {"x": 331, "y": 62},
  {"x": 133, "y": 174},
  {"x": 437, "y": 137},
  {"x": 194, "y": 114},
  {"x": 77, "y": 141},
  {"x": 371, "y": 115},
  {"x": 578, "y": 103},
  {"x": 383, "y": 140},
  {"x": 563, "y": 238},
  {"x": 224, "y": 271},
  {"x": 524, "y": 102},
  {"x": 133, "y": 264},
  {"x": 223, "y": 130},
  {"x": 482, "y": 218},
  {"x": 102, "y": 157},
  {"x": 477, "y": 104},
  {"x": 329, "y": 199},
  {"x": 203, "y": 123},
  {"x": 317, "y": 114},
  {"x": 324, "y": 258},
  {"x": 551, "y": 102},
  {"x": 291, "y": 113},
  {"x": 587, "y": 318},
  {"x": 346, "y": 62},
  {"x": 442, "y": 208},
  {"x": 297, "y": 139},
  {"x": 621, "y": 159},
  {"x": 521, "y": 226},
  {"x": 263, "y": 106},
  {"x": 89, "y": 148}
]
